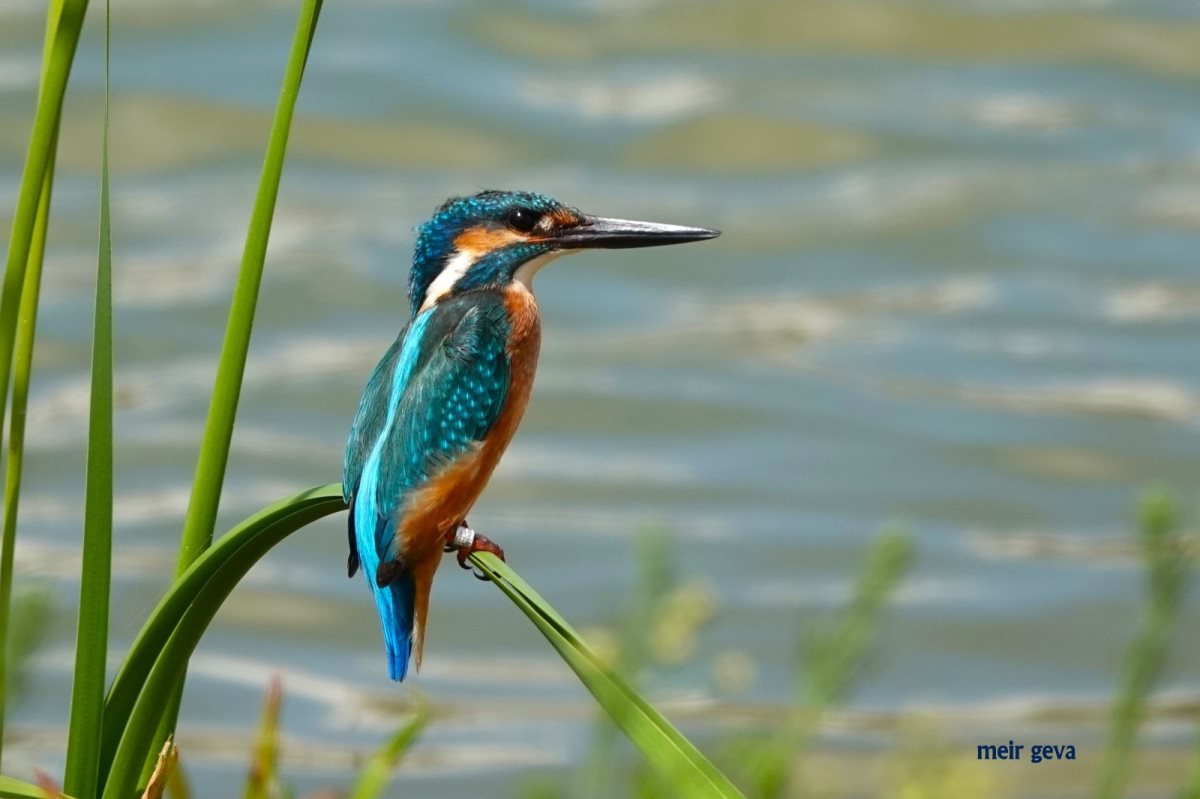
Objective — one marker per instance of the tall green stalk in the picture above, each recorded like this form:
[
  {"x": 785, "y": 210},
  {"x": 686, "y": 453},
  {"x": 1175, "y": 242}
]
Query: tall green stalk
[
  {"x": 81, "y": 777},
  {"x": 23, "y": 368},
  {"x": 26, "y": 326},
  {"x": 1167, "y": 575},
  {"x": 218, "y": 430},
  {"x": 222, "y": 410},
  {"x": 67, "y": 20}
]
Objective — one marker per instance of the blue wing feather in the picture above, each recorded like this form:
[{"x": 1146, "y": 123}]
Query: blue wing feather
[
  {"x": 447, "y": 406},
  {"x": 368, "y": 424},
  {"x": 371, "y": 415},
  {"x": 437, "y": 391}
]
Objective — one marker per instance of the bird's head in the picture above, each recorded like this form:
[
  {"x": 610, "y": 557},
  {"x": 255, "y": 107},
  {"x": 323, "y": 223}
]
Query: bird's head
[{"x": 494, "y": 238}]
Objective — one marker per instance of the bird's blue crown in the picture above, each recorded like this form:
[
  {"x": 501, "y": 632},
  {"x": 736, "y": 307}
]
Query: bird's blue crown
[{"x": 505, "y": 225}]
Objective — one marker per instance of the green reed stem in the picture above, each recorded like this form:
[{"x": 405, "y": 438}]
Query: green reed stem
[
  {"x": 22, "y": 369},
  {"x": 25, "y": 327},
  {"x": 218, "y": 430},
  {"x": 201, "y": 516},
  {"x": 1167, "y": 572},
  {"x": 57, "y": 68},
  {"x": 81, "y": 776}
]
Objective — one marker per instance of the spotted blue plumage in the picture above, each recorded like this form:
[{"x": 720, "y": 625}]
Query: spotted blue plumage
[{"x": 436, "y": 393}]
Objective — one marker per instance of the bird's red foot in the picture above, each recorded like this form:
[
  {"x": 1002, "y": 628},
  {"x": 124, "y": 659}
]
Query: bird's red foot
[{"x": 467, "y": 541}]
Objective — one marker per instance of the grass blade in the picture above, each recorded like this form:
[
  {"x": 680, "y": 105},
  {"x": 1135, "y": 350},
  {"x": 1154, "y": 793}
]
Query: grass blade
[
  {"x": 218, "y": 430},
  {"x": 285, "y": 516},
  {"x": 15, "y": 789},
  {"x": 23, "y": 368},
  {"x": 671, "y": 755},
  {"x": 26, "y": 325},
  {"x": 66, "y": 19},
  {"x": 263, "y": 780},
  {"x": 1168, "y": 571},
  {"x": 375, "y": 775},
  {"x": 154, "y": 668},
  {"x": 81, "y": 774},
  {"x": 201, "y": 516}
]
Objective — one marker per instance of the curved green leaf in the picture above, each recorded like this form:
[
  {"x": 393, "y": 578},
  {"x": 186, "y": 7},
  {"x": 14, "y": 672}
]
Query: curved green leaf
[
  {"x": 241, "y": 547},
  {"x": 672, "y": 755},
  {"x": 156, "y": 662},
  {"x": 201, "y": 515},
  {"x": 143, "y": 688}
]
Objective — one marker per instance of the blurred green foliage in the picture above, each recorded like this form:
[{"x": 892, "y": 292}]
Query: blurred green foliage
[
  {"x": 831, "y": 657},
  {"x": 27, "y": 628},
  {"x": 659, "y": 630},
  {"x": 666, "y": 616},
  {"x": 264, "y": 779},
  {"x": 1168, "y": 569}
]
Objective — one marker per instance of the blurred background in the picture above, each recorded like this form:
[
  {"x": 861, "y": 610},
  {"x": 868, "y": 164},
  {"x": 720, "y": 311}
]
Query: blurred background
[{"x": 957, "y": 293}]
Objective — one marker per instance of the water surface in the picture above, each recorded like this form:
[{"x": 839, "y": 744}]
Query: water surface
[{"x": 957, "y": 290}]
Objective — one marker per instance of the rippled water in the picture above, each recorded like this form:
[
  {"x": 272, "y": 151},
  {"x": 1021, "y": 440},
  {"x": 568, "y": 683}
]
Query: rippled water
[{"x": 957, "y": 290}]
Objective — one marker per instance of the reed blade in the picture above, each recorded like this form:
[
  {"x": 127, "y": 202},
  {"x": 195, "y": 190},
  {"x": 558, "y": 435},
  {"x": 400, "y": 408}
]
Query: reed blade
[{"x": 81, "y": 775}]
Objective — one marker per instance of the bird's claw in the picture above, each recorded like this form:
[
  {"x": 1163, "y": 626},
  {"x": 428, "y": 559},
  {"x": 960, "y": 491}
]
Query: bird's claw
[
  {"x": 466, "y": 541},
  {"x": 462, "y": 556}
]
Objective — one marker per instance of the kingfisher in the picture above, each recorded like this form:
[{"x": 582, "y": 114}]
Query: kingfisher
[{"x": 444, "y": 401}]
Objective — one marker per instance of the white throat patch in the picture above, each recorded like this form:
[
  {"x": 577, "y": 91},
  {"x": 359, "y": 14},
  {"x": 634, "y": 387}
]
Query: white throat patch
[
  {"x": 526, "y": 271},
  {"x": 462, "y": 261}
]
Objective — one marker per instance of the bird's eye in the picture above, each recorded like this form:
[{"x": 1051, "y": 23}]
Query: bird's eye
[{"x": 523, "y": 219}]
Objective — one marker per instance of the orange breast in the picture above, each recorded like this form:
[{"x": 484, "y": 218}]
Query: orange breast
[{"x": 433, "y": 511}]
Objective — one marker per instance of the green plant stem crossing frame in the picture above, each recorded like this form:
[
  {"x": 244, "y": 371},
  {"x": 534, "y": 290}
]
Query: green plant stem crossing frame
[
  {"x": 154, "y": 667},
  {"x": 213, "y": 459},
  {"x": 111, "y": 741},
  {"x": 82, "y": 773}
]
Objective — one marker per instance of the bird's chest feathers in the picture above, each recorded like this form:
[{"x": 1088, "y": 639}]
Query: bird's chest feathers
[
  {"x": 438, "y": 505},
  {"x": 524, "y": 341},
  {"x": 525, "y": 328}
]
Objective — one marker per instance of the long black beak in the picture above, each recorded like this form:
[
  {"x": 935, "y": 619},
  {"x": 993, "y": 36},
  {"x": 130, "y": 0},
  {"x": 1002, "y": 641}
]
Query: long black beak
[{"x": 598, "y": 231}]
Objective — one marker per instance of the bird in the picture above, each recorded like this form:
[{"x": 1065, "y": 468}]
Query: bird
[{"x": 444, "y": 401}]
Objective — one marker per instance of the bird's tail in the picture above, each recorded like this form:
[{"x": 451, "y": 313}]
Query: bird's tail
[
  {"x": 396, "y": 610},
  {"x": 422, "y": 576}
]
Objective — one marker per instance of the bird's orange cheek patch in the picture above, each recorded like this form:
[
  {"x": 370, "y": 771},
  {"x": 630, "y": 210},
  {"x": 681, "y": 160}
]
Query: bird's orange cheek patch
[{"x": 564, "y": 218}]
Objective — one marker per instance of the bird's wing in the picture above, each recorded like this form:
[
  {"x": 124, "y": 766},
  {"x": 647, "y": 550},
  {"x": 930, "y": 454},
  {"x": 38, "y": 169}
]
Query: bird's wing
[
  {"x": 371, "y": 416},
  {"x": 451, "y": 400}
]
